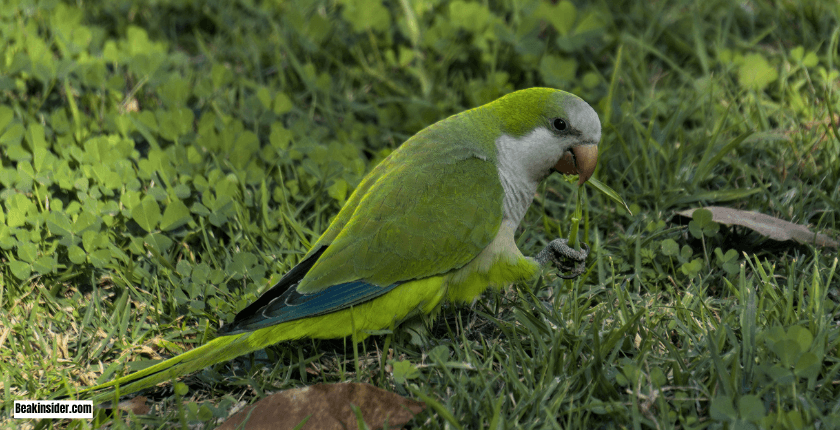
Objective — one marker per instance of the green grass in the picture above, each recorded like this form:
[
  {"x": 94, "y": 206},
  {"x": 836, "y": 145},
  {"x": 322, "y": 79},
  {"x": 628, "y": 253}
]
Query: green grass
[{"x": 162, "y": 163}]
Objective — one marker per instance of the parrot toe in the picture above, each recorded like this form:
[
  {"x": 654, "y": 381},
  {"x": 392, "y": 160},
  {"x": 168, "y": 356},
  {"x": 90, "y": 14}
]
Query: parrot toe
[{"x": 566, "y": 258}]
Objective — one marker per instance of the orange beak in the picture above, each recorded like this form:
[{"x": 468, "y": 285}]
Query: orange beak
[{"x": 580, "y": 161}]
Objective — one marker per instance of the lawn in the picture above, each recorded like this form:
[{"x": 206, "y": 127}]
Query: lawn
[{"x": 164, "y": 162}]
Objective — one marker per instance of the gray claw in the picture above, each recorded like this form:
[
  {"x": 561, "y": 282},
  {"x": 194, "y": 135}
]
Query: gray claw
[{"x": 559, "y": 252}]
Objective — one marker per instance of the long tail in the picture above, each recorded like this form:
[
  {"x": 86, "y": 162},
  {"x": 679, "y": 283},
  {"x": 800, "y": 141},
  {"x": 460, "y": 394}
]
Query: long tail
[
  {"x": 394, "y": 305},
  {"x": 216, "y": 351}
]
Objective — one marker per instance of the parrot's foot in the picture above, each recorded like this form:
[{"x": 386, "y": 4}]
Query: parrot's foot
[{"x": 559, "y": 252}]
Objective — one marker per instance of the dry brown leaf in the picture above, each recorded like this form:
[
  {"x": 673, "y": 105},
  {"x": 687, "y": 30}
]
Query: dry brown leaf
[
  {"x": 772, "y": 227},
  {"x": 328, "y": 407},
  {"x": 137, "y": 405}
]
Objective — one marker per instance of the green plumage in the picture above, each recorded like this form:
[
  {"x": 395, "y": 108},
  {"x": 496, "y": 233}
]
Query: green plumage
[
  {"x": 414, "y": 216},
  {"x": 433, "y": 221}
]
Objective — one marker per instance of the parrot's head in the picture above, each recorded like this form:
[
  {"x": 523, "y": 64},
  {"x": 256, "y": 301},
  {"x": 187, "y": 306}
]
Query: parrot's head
[
  {"x": 554, "y": 131},
  {"x": 579, "y": 129}
]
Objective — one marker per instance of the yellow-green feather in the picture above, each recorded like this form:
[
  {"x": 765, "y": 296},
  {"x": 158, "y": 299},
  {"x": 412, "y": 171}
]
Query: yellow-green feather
[
  {"x": 498, "y": 265},
  {"x": 433, "y": 204},
  {"x": 428, "y": 208},
  {"x": 428, "y": 217},
  {"x": 421, "y": 296}
]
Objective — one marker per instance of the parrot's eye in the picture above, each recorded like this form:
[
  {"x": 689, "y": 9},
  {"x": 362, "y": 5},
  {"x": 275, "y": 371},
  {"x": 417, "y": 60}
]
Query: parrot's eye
[{"x": 559, "y": 124}]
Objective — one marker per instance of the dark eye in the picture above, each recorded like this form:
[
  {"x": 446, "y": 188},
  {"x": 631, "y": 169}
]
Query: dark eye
[{"x": 559, "y": 124}]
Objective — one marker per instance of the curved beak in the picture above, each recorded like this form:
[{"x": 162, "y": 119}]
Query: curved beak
[{"x": 581, "y": 161}]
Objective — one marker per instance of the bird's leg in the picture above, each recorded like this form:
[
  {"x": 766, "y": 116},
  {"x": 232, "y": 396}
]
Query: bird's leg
[{"x": 559, "y": 252}]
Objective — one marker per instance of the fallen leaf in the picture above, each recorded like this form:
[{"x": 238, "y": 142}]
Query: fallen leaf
[
  {"x": 327, "y": 407},
  {"x": 137, "y": 405},
  {"x": 772, "y": 227}
]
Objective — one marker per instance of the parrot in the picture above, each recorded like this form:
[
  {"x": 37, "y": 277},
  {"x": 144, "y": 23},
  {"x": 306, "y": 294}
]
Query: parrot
[{"x": 433, "y": 222}]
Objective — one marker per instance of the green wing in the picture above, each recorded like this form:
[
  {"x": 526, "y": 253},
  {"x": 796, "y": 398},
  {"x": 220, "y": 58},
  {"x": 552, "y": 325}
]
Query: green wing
[{"x": 429, "y": 208}]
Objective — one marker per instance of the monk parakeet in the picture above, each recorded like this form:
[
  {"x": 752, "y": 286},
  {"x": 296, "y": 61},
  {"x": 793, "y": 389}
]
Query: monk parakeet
[{"x": 434, "y": 221}]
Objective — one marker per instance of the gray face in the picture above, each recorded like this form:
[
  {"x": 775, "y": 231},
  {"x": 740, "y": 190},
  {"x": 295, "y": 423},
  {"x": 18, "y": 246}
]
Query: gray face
[{"x": 584, "y": 119}]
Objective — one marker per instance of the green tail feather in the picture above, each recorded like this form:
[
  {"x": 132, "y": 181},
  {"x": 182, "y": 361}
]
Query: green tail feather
[
  {"x": 216, "y": 351},
  {"x": 419, "y": 296}
]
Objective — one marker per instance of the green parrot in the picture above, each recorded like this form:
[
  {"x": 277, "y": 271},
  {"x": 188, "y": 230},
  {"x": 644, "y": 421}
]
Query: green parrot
[{"x": 434, "y": 221}]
